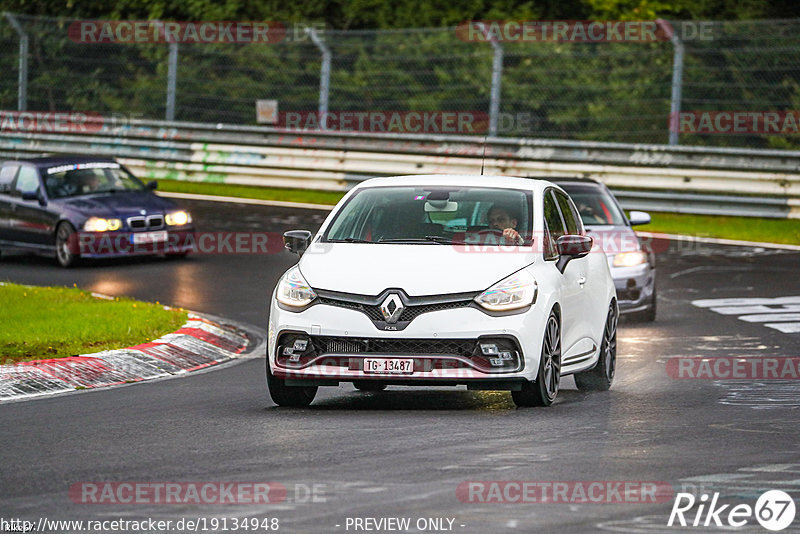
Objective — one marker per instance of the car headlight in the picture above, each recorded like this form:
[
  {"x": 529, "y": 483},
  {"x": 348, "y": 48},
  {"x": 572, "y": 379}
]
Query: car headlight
[
  {"x": 178, "y": 218},
  {"x": 517, "y": 291},
  {"x": 630, "y": 259},
  {"x": 293, "y": 290},
  {"x": 98, "y": 224}
]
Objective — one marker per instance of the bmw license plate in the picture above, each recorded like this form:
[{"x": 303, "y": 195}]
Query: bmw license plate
[
  {"x": 149, "y": 237},
  {"x": 388, "y": 366}
]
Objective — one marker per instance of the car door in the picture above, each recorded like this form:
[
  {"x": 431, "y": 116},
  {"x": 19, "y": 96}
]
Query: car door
[
  {"x": 576, "y": 278},
  {"x": 29, "y": 222},
  {"x": 7, "y": 174},
  {"x": 570, "y": 278}
]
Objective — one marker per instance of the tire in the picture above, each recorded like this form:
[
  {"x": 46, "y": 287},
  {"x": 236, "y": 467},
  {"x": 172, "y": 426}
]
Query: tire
[
  {"x": 369, "y": 386},
  {"x": 65, "y": 257},
  {"x": 600, "y": 377},
  {"x": 290, "y": 396},
  {"x": 544, "y": 390}
]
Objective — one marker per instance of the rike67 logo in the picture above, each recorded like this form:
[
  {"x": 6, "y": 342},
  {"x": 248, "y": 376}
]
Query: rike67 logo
[{"x": 774, "y": 510}]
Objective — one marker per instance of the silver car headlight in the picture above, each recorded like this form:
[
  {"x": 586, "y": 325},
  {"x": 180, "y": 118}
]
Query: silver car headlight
[
  {"x": 293, "y": 290},
  {"x": 516, "y": 291},
  {"x": 630, "y": 259}
]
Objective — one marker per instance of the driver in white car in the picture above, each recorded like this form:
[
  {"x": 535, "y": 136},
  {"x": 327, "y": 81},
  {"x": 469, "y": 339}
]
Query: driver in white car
[{"x": 501, "y": 218}]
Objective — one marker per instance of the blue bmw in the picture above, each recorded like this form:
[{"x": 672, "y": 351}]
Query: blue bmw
[{"x": 74, "y": 207}]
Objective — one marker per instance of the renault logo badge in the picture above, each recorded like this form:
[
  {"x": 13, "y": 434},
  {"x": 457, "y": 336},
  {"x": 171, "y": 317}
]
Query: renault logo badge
[{"x": 392, "y": 307}]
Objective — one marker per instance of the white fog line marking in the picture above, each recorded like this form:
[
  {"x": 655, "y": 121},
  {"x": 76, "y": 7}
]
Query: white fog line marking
[
  {"x": 764, "y": 317},
  {"x": 779, "y": 313},
  {"x": 740, "y": 310},
  {"x": 786, "y": 328}
]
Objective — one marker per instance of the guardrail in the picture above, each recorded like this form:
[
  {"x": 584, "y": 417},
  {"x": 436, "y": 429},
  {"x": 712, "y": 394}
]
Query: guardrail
[{"x": 747, "y": 182}]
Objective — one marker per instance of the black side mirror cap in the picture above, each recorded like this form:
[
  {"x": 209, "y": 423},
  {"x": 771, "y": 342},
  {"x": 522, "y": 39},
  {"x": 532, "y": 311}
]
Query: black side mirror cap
[
  {"x": 152, "y": 185},
  {"x": 571, "y": 247},
  {"x": 297, "y": 241}
]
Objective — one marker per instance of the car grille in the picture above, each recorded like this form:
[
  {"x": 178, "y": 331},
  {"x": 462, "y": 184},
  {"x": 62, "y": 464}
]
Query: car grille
[
  {"x": 151, "y": 222},
  {"x": 343, "y": 345},
  {"x": 373, "y": 311}
]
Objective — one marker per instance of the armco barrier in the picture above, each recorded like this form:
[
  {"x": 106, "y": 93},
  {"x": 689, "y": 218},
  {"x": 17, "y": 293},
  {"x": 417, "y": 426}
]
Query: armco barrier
[{"x": 728, "y": 181}]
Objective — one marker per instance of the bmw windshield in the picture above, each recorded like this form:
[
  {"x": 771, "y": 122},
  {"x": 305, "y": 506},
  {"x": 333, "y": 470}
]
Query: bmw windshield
[
  {"x": 441, "y": 215},
  {"x": 87, "y": 179}
]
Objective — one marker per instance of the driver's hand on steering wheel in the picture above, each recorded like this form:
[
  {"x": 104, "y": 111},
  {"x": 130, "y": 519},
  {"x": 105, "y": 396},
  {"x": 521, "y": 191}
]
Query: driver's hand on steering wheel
[{"x": 512, "y": 237}]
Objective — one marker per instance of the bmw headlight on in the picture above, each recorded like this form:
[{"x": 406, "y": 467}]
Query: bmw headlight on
[
  {"x": 630, "y": 259},
  {"x": 98, "y": 224},
  {"x": 293, "y": 290},
  {"x": 516, "y": 291},
  {"x": 178, "y": 218}
]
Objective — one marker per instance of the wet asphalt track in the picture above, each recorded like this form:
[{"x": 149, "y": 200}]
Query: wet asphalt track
[{"x": 403, "y": 453}]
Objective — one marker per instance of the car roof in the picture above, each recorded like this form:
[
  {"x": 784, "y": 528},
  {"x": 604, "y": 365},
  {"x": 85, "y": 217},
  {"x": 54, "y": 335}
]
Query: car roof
[
  {"x": 52, "y": 161},
  {"x": 469, "y": 180},
  {"x": 575, "y": 180}
]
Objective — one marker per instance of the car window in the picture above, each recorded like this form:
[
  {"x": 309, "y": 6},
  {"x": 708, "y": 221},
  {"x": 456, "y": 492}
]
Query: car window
[
  {"x": 27, "y": 180},
  {"x": 595, "y": 204},
  {"x": 568, "y": 212},
  {"x": 554, "y": 226},
  {"x": 7, "y": 175},
  {"x": 432, "y": 214}
]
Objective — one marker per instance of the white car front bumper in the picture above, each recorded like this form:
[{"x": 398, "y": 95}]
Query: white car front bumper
[{"x": 445, "y": 346}]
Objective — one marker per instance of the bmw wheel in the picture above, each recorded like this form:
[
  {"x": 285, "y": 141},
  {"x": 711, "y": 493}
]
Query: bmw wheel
[
  {"x": 600, "y": 377},
  {"x": 66, "y": 242},
  {"x": 544, "y": 390}
]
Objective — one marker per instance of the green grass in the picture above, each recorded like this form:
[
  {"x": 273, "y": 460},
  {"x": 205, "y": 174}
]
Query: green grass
[
  {"x": 248, "y": 191},
  {"x": 56, "y": 322},
  {"x": 785, "y": 231}
]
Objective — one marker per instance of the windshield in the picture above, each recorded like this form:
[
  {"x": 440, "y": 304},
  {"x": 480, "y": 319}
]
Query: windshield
[
  {"x": 433, "y": 215},
  {"x": 88, "y": 181},
  {"x": 595, "y": 205}
]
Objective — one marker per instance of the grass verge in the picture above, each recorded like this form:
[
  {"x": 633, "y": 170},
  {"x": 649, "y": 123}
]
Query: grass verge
[
  {"x": 249, "y": 191},
  {"x": 784, "y": 231},
  {"x": 56, "y": 322}
]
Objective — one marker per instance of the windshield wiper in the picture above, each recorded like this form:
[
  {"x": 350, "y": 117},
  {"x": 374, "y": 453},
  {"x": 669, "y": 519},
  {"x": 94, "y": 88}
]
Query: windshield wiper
[
  {"x": 427, "y": 239},
  {"x": 349, "y": 240}
]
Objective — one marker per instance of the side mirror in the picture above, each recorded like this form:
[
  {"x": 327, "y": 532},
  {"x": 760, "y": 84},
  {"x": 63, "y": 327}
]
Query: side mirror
[
  {"x": 571, "y": 247},
  {"x": 639, "y": 217},
  {"x": 297, "y": 241},
  {"x": 34, "y": 195},
  {"x": 151, "y": 185}
]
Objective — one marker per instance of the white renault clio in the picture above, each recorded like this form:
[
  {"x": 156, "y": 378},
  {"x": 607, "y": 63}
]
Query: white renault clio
[{"x": 483, "y": 281}]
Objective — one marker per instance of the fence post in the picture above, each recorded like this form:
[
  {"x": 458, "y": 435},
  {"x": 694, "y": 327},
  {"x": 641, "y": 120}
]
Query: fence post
[
  {"x": 324, "y": 76},
  {"x": 497, "y": 74},
  {"x": 677, "y": 80},
  {"x": 22, "y": 81},
  {"x": 172, "y": 77}
]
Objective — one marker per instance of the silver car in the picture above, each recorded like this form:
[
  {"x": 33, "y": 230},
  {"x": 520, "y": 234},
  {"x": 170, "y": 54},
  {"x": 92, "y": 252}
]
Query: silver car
[{"x": 632, "y": 267}]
